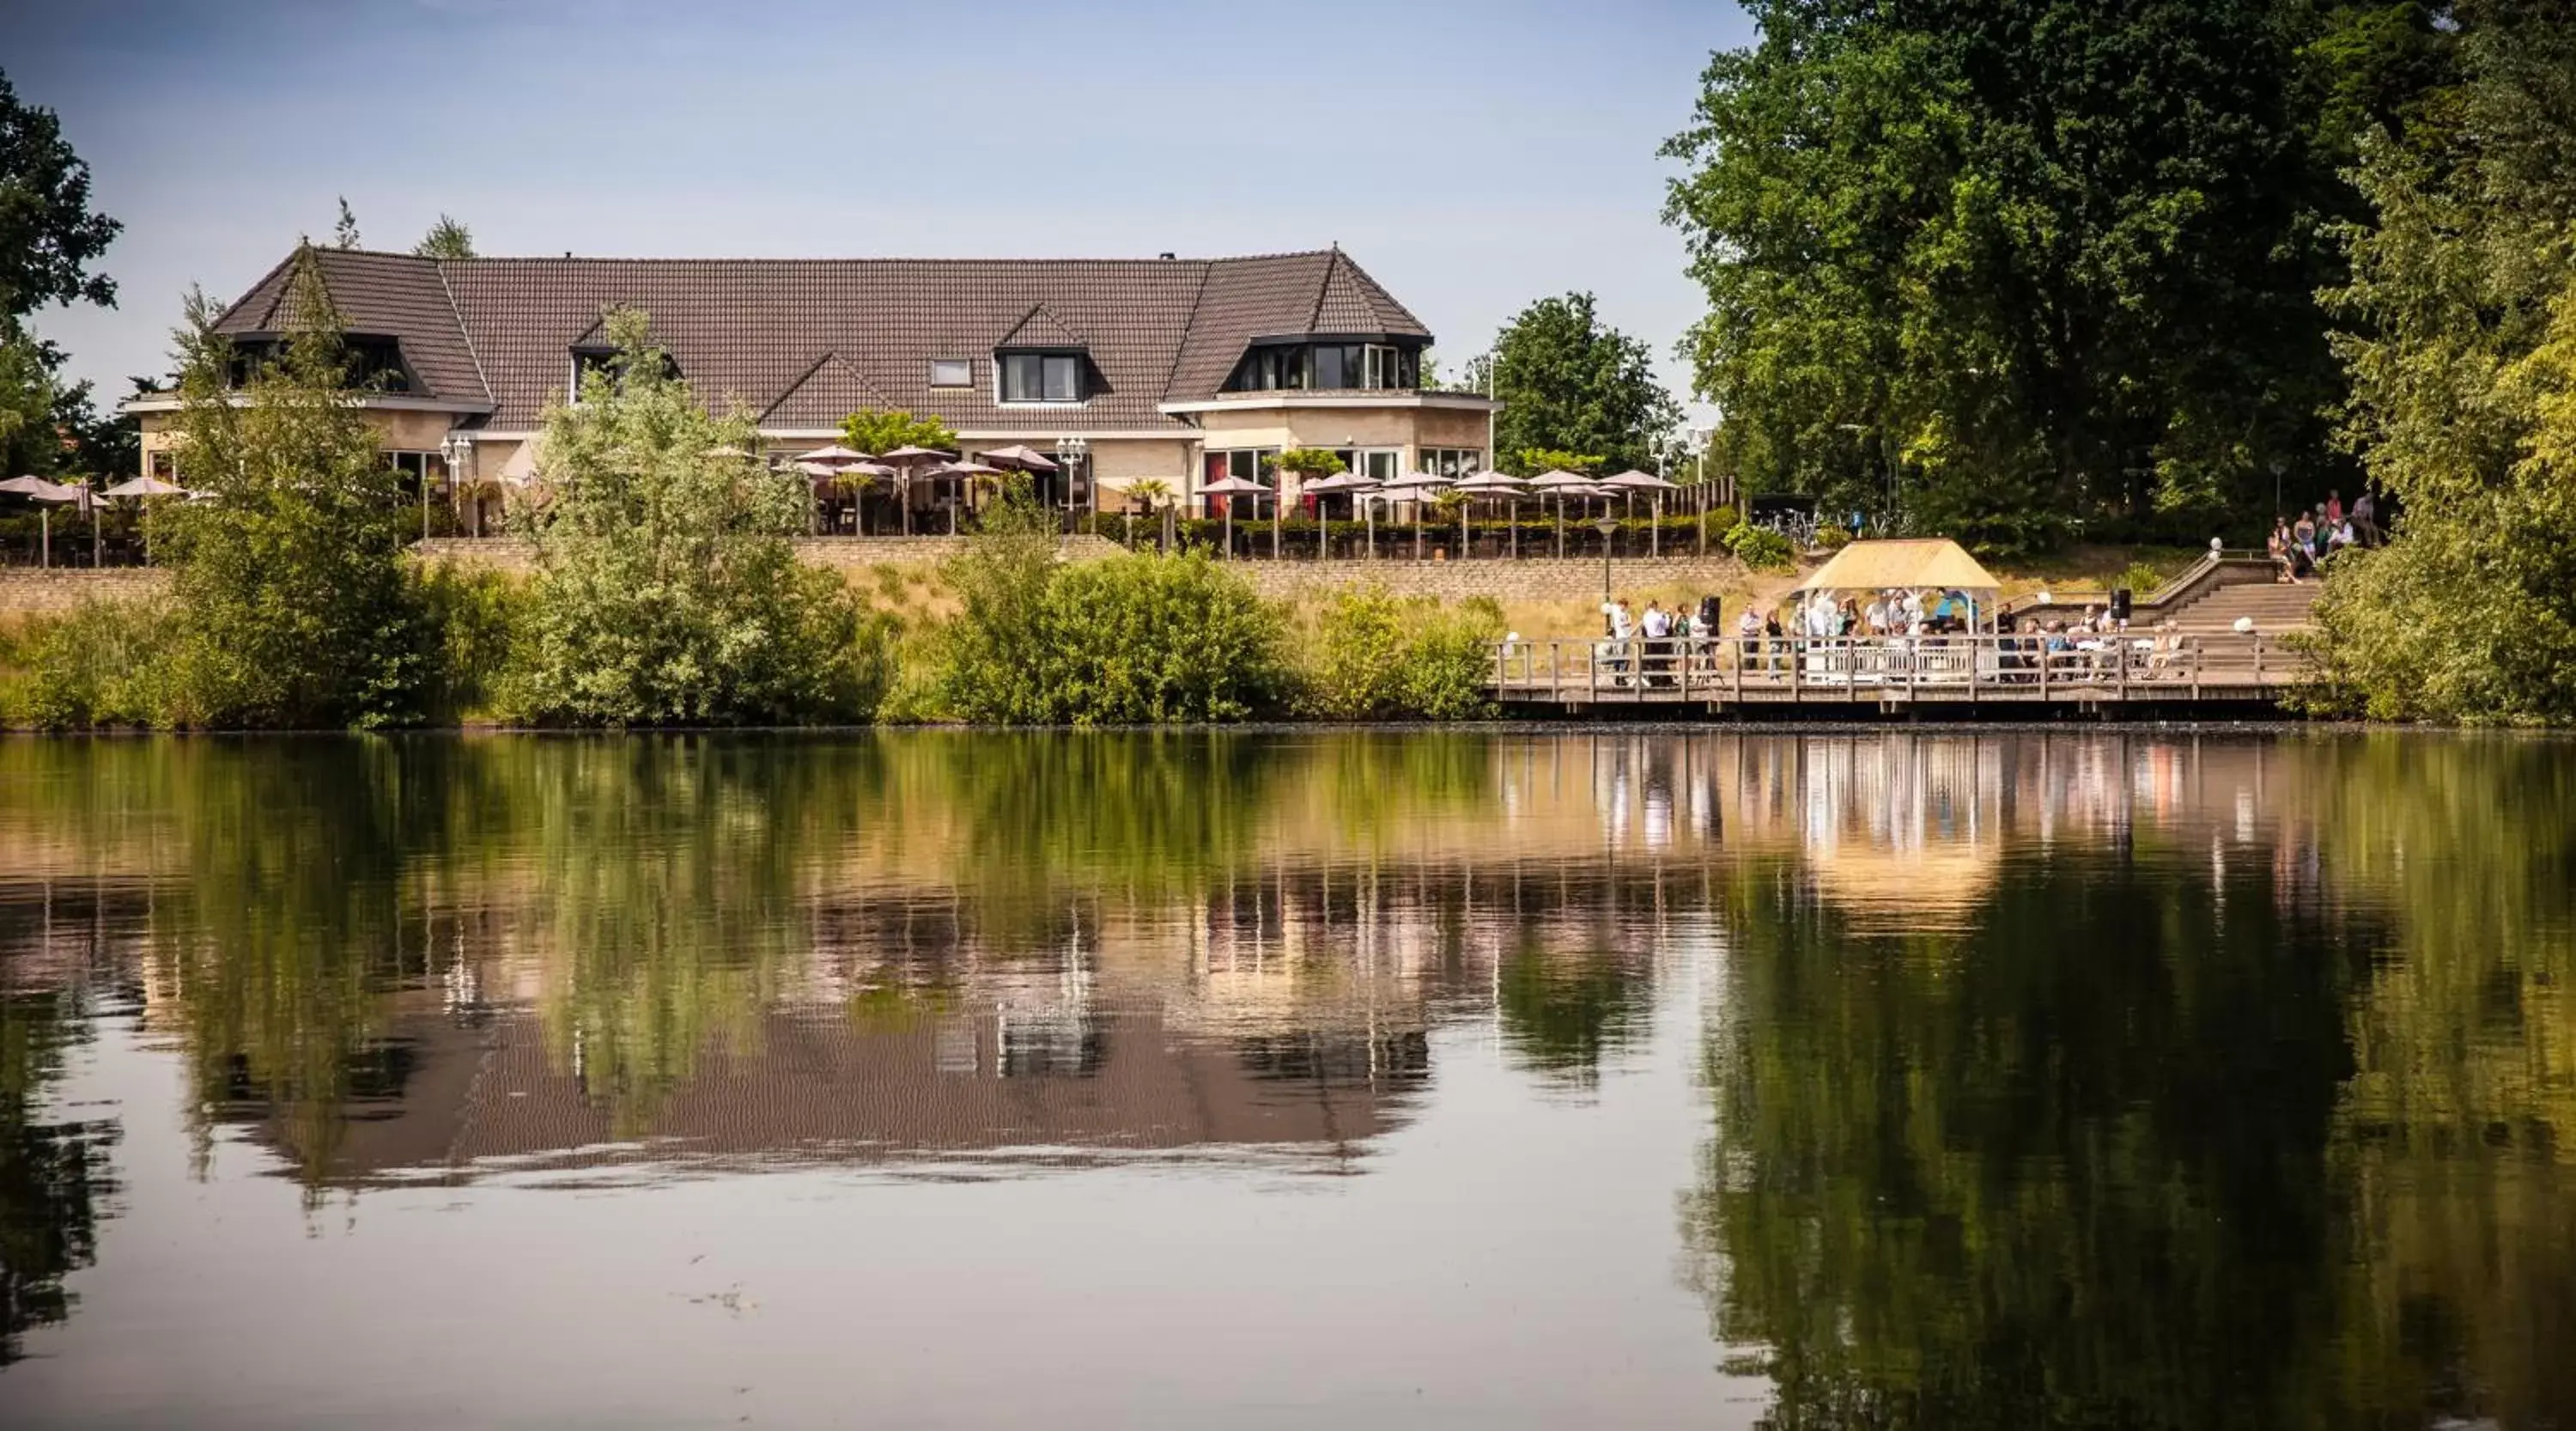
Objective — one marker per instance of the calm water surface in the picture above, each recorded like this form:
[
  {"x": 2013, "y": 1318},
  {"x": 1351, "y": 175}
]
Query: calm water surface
[{"x": 1295, "y": 1080}]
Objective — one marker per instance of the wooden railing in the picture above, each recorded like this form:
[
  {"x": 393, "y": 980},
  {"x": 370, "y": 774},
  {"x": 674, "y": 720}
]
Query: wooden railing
[{"x": 1963, "y": 667}]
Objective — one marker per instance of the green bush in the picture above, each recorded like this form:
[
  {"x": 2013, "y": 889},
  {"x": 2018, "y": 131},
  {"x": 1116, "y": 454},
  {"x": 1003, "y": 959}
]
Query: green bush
[
  {"x": 1760, "y": 548},
  {"x": 2140, "y": 578},
  {"x": 1130, "y": 640},
  {"x": 1374, "y": 656}
]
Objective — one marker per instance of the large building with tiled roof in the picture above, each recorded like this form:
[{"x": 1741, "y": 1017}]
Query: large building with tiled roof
[{"x": 1182, "y": 370}]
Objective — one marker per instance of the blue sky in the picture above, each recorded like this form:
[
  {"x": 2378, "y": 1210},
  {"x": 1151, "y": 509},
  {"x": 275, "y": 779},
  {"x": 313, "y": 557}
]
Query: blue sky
[{"x": 1473, "y": 157}]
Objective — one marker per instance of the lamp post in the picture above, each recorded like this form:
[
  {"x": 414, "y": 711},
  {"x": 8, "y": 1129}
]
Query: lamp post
[
  {"x": 456, "y": 449},
  {"x": 1069, "y": 452}
]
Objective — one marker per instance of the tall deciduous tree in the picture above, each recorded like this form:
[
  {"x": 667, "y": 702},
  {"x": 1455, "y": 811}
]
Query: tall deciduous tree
[
  {"x": 48, "y": 236},
  {"x": 2462, "y": 349},
  {"x": 344, "y": 232},
  {"x": 666, "y": 590},
  {"x": 294, "y": 607},
  {"x": 1570, "y": 382},
  {"x": 2024, "y": 261}
]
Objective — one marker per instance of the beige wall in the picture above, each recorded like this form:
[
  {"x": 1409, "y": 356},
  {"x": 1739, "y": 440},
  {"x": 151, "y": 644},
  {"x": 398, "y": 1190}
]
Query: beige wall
[
  {"x": 395, "y": 432},
  {"x": 1405, "y": 427}
]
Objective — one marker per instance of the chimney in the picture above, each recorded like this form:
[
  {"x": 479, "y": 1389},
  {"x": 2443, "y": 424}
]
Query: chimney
[{"x": 1165, "y": 254}]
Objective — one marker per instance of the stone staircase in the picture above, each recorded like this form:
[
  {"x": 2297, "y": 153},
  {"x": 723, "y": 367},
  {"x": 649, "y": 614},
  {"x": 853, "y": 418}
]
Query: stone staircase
[{"x": 2212, "y": 610}]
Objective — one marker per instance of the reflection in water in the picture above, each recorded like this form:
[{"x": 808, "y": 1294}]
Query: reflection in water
[{"x": 2083, "y": 1080}]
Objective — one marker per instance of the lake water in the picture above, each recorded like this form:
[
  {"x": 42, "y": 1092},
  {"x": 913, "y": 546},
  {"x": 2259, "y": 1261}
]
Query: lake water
[{"x": 1290, "y": 1080}]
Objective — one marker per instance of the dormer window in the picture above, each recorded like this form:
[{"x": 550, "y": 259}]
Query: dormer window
[
  {"x": 589, "y": 359},
  {"x": 1327, "y": 367},
  {"x": 1041, "y": 377},
  {"x": 951, "y": 373}
]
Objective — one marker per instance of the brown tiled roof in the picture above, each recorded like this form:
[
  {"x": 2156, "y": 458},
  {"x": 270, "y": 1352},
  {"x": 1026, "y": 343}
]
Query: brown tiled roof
[
  {"x": 383, "y": 293},
  {"x": 829, "y": 391},
  {"x": 804, "y": 341}
]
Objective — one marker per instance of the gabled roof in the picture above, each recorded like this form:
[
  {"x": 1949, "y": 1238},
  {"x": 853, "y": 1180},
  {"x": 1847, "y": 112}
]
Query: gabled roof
[
  {"x": 796, "y": 338},
  {"x": 1041, "y": 329},
  {"x": 396, "y": 295},
  {"x": 829, "y": 391}
]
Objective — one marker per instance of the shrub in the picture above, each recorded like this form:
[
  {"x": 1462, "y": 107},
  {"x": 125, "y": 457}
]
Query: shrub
[
  {"x": 1374, "y": 656},
  {"x": 1129, "y": 640},
  {"x": 1760, "y": 548},
  {"x": 103, "y": 663},
  {"x": 2140, "y": 578}
]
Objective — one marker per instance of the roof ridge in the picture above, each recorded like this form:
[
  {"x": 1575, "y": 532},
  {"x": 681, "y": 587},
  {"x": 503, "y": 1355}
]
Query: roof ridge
[
  {"x": 472, "y": 350},
  {"x": 1189, "y": 325},
  {"x": 843, "y": 258},
  {"x": 1315, "y": 315}
]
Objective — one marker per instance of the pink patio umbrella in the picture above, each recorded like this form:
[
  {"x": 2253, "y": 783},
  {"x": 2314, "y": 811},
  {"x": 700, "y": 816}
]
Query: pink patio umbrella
[
  {"x": 1231, "y": 488},
  {"x": 833, "y": 455}
]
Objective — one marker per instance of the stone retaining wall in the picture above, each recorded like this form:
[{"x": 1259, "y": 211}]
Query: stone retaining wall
[
  {"x": 26, "y": 591},
  {"x": 1533, "y": 579},
  {"x": 31, "y": 591}
]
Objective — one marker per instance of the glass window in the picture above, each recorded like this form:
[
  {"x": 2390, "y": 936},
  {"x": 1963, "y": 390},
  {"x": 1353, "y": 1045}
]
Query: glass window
[
  {"x": 1041, "y": 377},
  {"x": 1328, "y": 368},
  {"x": 951, "y": 373}
]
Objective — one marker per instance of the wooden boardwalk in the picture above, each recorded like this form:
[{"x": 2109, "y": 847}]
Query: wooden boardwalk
[{"x": 1999, "y": 677}]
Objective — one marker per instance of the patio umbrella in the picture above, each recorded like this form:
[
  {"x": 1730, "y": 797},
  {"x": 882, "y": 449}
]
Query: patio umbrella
[
  {"x": 145, "y": 487},
  {"x": 1631, "y": 482},
  {"x": 1027, "y": 459},
  {"x": 42, "y": 491},
  {"x": 834, "y": 454},
  {"x": 903, "y": 458},
  {"x": 1230, "y": 488},
  {"x": 1555, "y": 482},
  {"x": 1357, "y": 487},
  {"x": 87, "y": 501},
  {"x": 962, "y": 472},
  {"x": 1414, "y": 489},
  {"x": 1490, "y": 483}
]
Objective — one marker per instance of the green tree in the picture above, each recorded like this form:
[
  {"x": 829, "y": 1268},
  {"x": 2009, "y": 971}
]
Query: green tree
[
  {"x": 2461, "y": 343},
  {"x": 48, "y": 236},
  {"x": 666, "y": 589},
  {"x": 28, "y": 439},
  {"x": 877, "y": 431},
  {"x": 1570, "y": 382},
  {"x": 446, "y": 239},
  {"x": 344, "y": 232},
  {"x": 2022, "y": 262},
  {"x": 294, "y": 605}
]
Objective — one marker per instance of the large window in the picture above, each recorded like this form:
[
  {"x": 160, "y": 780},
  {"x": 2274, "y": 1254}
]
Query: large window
[
  {"x": 1378, "y": 464},
  {"x": 1041, "y": 377},
  {"x": 371, "y": 364},
  {"x": 586, "y": 361},
  {"x": 1326, "y": 367},
  {"x": 1453, "y": 462}
]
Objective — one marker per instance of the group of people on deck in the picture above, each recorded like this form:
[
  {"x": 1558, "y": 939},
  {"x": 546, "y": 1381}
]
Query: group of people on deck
[{"x": 2300, "y": 545}]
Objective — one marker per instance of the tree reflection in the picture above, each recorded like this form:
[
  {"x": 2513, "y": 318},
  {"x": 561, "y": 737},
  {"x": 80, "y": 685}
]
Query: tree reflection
[
  {"x": 2267, "y": 1140},
  {"x": 54, "y": 1175}
]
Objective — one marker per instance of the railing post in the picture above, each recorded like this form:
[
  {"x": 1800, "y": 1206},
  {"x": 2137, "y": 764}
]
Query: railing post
[
  {"x": 2043, "y": 653},
  {"x": 2258, "y": 658}
]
